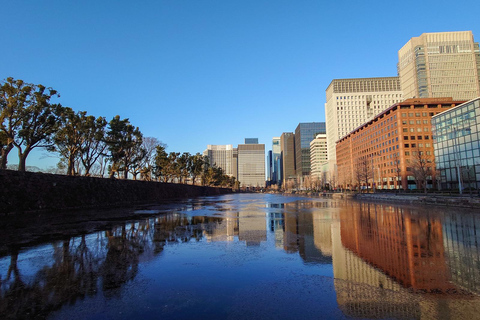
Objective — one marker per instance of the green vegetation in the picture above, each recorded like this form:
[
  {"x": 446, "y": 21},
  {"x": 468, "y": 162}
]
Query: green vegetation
[{"x": 92, "y": 146}]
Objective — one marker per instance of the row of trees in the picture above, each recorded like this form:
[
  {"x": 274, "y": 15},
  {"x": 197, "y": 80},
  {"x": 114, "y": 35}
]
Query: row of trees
[{"x": 90, "y": 145}]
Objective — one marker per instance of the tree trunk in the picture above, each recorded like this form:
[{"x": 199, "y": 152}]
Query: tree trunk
[
  {"x": 70, "y": 168},
  {"x": 4, "y": 156},
  {"x": 22, "y": 158}
]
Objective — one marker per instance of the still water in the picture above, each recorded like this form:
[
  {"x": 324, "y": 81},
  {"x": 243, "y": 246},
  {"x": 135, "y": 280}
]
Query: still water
[{"x": 255, "y": 256}]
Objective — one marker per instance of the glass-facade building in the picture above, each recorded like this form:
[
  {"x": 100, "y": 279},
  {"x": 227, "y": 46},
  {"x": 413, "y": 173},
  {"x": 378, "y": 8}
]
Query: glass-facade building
[
  {"x": 304, "y": 134},
  {"x": 457, "y": 146},
  {"x": 276, "y": 161}
]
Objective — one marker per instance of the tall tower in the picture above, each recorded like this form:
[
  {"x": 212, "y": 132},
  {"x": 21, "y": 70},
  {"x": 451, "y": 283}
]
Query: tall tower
[
  {"x": 352, "y": 102},
  {"x": 304, "y": 134},
  {"x": 287, "y": 145},
  {"x": 276, "y": 160},
  {"x": 442, "y": 64}
]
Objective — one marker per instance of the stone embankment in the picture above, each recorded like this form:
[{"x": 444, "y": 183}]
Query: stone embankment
[
  {"x": 29, "y": 191},
  {"x": 424, "y": 199}
]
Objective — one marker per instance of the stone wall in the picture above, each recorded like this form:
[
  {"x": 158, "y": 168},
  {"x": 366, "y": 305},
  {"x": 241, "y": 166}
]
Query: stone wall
[
  {"x": 429, "y": 199},
  {"x": 29, "y": 191}
]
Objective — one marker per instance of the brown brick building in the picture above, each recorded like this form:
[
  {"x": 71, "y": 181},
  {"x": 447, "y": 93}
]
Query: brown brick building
[{"x": 396, "y": 145}]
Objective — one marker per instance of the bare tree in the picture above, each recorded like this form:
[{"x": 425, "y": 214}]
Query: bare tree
[
  {"x": 362, "y": 172},
  {"x": 422, "y": 168},
  {"x": 396, "y": 161}
]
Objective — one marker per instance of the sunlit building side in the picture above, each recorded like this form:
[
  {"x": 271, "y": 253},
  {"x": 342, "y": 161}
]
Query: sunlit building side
[
  {"x": 318, "y": 155},
  {"x": 388, "y": 149},
  {"x": 220, "y": 156},
  {"x": 287, "y": 146},
  {"x": 352, "y": 102},
  {"x": 441, "y": 64},
  {"x": 251, "y": 164}
]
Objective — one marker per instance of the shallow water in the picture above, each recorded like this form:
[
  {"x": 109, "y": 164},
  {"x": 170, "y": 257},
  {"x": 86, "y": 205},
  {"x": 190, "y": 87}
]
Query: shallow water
[{"x": 255, "y": 256}]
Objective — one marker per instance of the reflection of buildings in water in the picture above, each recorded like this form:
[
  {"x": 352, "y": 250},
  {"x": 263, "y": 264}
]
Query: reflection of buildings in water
[
  {"x": 224, "y": 230},
  {"x": 276, "y": 223},
  {"x": 368, "y": 239},
  {"x": 252, "y": 227},
  {"x": 322, "y": 232},
  {"x": 364, "y": 291},
  {"x": 461, "y": 240},
  {"x": 408, "y": 248},
  {"x": 299, "y": 232}
]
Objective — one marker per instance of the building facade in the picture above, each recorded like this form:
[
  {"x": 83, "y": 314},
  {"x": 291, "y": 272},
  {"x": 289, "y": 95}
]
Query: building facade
[
  {"x": 443, "y": 64},
  {"x": 269, "y": 167},
  {"x": 276, "y": 161},
  {"x": 287, "y": 145},
  {"x": 457, "y": 146},
  {"x": 251, "y": 165},
  {"x": 221, "y": 156},
  {"x": 394, "y": 150},
  {"x": 304, "y": 134},
  {"x": 318, "y": 155},
  {"x": 353, "y": 102}
]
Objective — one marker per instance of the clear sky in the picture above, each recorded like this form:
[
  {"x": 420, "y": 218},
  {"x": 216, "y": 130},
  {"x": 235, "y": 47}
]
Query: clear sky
[{"x": 198, "y": 72}]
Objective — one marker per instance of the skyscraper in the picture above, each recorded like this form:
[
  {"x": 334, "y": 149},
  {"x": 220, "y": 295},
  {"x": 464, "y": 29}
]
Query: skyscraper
[
  {"x": 276, "y": 161},
  {"x": 352, "y": 102},
  {"x": 251, "y": 164},
  {"x": 269, "y": 167},
  {"x": 287, "y": 145},
  {"x": 304, "y": 133},
  {"x": 221, "y": 156},
  {"x": 443, "y": 64}
]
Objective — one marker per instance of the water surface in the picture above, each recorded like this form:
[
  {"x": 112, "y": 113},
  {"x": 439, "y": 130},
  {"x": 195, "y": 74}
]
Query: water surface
[{"x": 254, "y": 256}]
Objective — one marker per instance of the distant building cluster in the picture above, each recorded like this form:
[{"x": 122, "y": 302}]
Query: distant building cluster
[
  {"x": 246, "y": 162},
  {"x": 418, "y": 130}
]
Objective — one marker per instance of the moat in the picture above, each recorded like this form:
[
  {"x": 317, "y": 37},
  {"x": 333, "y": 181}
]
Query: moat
[{"x": 249, "y": 256}]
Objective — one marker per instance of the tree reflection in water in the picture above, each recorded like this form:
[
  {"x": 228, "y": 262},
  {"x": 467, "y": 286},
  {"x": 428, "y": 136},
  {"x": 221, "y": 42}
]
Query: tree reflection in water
[{"x": 82, "y": 266}]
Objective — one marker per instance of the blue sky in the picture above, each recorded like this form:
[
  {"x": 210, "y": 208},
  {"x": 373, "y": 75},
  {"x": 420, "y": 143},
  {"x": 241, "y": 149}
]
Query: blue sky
[{"x": 199, "y": 72}]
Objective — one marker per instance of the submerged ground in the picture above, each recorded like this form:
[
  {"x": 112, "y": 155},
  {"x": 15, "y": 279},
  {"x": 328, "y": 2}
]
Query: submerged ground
[{"x": 244, "y": 256}]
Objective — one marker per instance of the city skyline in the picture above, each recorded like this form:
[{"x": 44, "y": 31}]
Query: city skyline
[{"x": 182, "y": 69}]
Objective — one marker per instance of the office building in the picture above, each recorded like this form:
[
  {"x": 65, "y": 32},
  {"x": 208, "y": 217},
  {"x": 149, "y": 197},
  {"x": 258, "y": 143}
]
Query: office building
[
  {"x": 304, "y": 133},
  {"x": 318, "y": 155},
  {"x": 442, "y": 64},
  {"x": 276, "y": 161},
  {"x": 235, "y": 163},
  {"x": 352, "y": 102},
  {"x": 220, "y": 156},
  {"x": 269, "y": 167},
  {"x": 287, "y": 145},
  {"x": 457, "y": 146},
  {"x": 388, "y": 152},
  {"x": 251, "y": 164}
]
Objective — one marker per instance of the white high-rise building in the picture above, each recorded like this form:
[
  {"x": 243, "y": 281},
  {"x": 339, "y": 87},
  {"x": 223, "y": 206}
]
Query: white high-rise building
[
  {"x": 438, "y": 65},
  {"x": 352, "y": 102},
  {"x": 221, "y": 156},
  {"x": 318, "y": 154},
  {"x": 251, "y": 164}
]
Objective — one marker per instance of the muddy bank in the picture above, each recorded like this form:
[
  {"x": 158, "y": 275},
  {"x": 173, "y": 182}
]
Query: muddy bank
[{"x": 30, "y": 191}]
